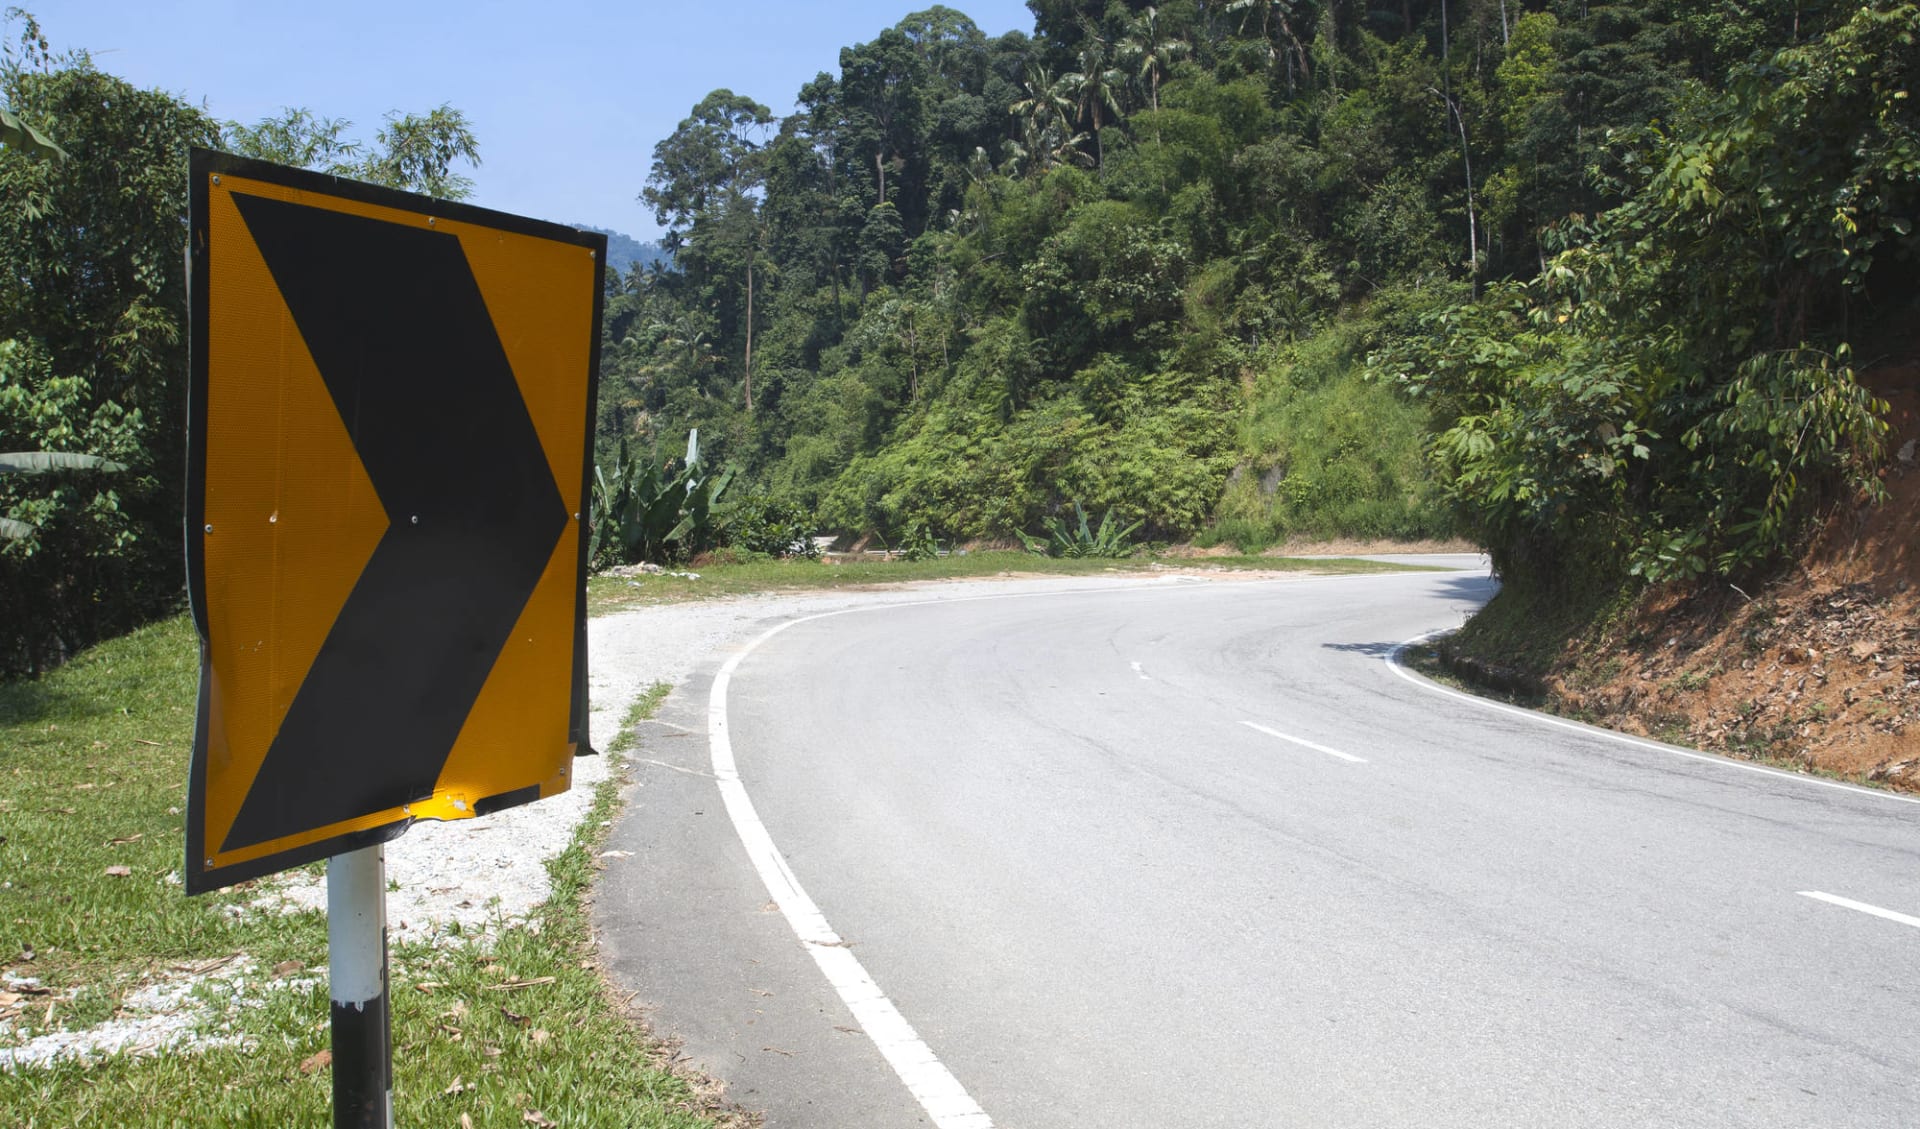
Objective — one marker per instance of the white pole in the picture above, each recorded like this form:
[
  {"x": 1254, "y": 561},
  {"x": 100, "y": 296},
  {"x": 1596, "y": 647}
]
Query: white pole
[{"x": 357, "y": 981}]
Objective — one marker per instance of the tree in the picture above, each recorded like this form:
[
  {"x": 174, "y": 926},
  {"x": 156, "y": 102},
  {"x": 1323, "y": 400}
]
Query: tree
[
  {"x": 1045, "y": 119},
  {"x": 1096, "y": 87},
  {"x": 411, "y": 152},
  {"x": 710, "y": 162},
  {"x": 1150, "y": 52},
  {"x": 706, "y": 185},
  {"x": 92, "y": 313}
]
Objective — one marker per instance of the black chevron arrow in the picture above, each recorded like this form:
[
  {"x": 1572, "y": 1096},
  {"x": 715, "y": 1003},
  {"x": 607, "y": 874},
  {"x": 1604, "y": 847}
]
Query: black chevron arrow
[{"x": 397, "y": 326}]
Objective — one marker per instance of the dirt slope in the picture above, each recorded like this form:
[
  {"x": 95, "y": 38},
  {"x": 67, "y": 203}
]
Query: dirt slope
[{"x": 1820, "y": 668}]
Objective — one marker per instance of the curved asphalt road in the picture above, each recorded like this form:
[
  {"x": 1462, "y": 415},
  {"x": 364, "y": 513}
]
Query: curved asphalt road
[{"x": 1195, "y": 855}]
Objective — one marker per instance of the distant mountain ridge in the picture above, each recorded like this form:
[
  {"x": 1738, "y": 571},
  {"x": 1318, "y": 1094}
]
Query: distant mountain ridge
[{"x": 624, "y": 251}]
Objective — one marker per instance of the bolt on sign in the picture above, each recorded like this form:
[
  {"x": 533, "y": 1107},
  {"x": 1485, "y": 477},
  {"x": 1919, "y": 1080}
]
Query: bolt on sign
[{"x": 391, "y": 399}]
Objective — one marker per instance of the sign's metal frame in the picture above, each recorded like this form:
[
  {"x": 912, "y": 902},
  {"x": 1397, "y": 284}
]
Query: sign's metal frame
[{"x": 206, "y": 168}]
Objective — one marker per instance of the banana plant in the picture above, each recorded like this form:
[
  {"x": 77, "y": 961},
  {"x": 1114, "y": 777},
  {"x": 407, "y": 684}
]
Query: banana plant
[{"x": 648, "y": 511}]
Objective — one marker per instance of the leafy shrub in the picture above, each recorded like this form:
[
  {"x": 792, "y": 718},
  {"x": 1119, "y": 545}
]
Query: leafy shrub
[
  {"x": 1078, "y": 539},
  {"x": 92, "y": 308},
  {"x": 760, "y": 523},
  {"x": 917, "y": 543}
]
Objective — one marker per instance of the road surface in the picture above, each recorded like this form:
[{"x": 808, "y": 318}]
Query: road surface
[{"x": 1196, "y": 854}]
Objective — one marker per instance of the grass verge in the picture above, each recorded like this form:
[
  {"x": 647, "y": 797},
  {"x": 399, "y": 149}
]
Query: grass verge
[
  {"x": 93, "y": 761},
  {"x": 607, "y": 593}
]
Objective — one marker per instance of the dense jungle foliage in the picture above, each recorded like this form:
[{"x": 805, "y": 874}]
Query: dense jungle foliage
[
  {"x": 1576, "y": 280},
  {"x": 93, "y": 350},
  {"x": 1570, "y": 278}
]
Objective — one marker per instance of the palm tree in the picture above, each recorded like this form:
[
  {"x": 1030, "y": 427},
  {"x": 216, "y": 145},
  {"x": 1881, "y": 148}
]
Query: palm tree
[
  {"x": 1152, "y": 53},
  {"x": 1096, "y": 88},
  {"x": 1272, "y": 13},
  {"x": 1045, "y": 122}
]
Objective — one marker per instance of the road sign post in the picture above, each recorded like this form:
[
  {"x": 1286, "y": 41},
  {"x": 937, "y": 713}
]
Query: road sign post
[
  {"x": 390, "y": 408},
  {"x": 357, "y": 983}
]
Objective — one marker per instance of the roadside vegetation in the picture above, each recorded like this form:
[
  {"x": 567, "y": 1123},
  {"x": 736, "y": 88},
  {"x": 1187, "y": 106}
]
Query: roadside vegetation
[
  {"x": 93, "y": 759},
  {"x": 714, "y": 579}
]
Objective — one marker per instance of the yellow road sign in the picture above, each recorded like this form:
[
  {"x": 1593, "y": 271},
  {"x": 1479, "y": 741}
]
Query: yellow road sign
[{"x": 391, "y": 400}]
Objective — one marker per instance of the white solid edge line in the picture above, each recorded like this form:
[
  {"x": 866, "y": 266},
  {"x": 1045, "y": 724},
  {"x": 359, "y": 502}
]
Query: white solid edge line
[
  {"x": 1305, "y": 742},
  {"x": 1863, "y": 907},
  {"x": 931, "y": 1083},
  {"x": 1393, "y": 664}
]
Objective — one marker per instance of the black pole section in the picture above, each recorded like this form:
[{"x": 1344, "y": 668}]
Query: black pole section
[{"x": 357, "y": 981}]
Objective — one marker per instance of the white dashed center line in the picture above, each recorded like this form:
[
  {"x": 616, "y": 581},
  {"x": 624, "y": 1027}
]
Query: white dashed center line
[
  {"x": 1849, "y": 903},
  {"x": 1305, "y": 743}
]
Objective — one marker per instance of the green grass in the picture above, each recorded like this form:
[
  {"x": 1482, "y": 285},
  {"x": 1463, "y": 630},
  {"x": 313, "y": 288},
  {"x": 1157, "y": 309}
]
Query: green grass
[
  {"x": 606, "y": 593},
  {"x": 98, "y": 751},
  {"x": 93, "y": 775}
]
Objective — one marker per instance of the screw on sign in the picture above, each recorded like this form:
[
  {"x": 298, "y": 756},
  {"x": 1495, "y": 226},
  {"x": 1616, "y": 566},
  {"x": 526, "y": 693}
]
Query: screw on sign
[{"x": 391, "y": 400}]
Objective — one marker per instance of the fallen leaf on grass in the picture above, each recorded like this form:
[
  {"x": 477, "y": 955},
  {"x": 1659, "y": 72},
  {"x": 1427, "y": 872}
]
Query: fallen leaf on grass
[
  {"x": 319, "y": 1060},
  {"x": 59, "y": 811},
  {"x": 87, "y": 787},
  {"x": 535, "y": 1117},
  {"x": 287, "y": 968},
  {"x": 119, "y": 871},
  {"x": 540, "y": 1037},
  {"x": 516, "y": 1018},
  {"x": 144, "y": 741},
  {"x": 454, "y": 1034},
  {"x": 124, "y": 839},
  {"x": 457, "y": 1088},
  {"x": 428, "y": 986},
  {"x": 516, "y": 984},
  {"x": 466, "y": 1122}
]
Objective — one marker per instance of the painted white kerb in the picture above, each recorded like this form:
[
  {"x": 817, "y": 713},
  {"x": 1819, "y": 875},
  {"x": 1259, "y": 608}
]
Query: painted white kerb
[{"x": 931, "y": 1083}]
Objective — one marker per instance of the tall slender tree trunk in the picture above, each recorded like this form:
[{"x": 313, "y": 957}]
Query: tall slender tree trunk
[
  {"x": 749, "y": 361},
  {"x": 1473, "y": 225},
  {"x": 913, "y": 358}
]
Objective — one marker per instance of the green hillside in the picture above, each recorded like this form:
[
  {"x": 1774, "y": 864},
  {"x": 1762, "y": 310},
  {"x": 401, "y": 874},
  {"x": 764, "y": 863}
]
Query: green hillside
[{"x": 1553, "y": 276}]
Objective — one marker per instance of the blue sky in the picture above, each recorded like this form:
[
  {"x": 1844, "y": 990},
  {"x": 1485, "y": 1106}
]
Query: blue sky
[{"x": 567, "y": 97}]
